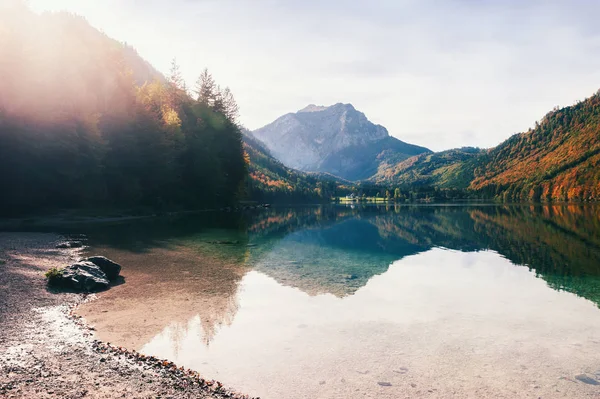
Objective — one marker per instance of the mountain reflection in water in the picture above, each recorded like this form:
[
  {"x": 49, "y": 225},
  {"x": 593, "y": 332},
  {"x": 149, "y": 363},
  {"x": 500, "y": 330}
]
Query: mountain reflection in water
[{"x": 560, "y": 243}]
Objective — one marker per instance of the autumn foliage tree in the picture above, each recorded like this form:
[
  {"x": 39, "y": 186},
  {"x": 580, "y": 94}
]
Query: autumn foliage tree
[{"x": 557, "y": 160}]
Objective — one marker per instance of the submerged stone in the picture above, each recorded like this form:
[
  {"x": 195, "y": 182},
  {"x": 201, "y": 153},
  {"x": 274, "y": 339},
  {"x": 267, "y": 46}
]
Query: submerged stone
[{"x": 586, "y": 380}]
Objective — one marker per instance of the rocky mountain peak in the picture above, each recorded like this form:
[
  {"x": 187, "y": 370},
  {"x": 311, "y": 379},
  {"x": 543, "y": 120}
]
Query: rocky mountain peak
[
  {"x": 336, "y": 139},
  {"x": 313, "y": 108},
  {"x": 332, "y": 108}
]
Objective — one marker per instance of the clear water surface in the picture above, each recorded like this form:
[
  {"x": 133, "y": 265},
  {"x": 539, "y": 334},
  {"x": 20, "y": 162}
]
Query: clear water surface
[{"x": 345, "y": 302}]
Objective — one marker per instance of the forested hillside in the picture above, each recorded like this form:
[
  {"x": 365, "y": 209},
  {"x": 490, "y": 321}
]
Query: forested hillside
[
  {"x": 557, "y": 160},
  {"x": 85, "y": 122},
  {"x": 446, "y": 169},
  {"x": 271, "y": 181}
]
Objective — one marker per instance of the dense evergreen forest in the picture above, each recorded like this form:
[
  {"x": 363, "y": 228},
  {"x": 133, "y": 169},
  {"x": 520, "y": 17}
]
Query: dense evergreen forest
[{"x": 84, "y": 121}]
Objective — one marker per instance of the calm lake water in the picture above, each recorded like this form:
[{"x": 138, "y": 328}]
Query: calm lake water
[{"x": 353, "y": 302}]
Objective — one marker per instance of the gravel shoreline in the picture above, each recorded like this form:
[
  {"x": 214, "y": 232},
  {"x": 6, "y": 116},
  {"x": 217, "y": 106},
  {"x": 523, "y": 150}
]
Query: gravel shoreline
[{"x": 48, "y": 352}]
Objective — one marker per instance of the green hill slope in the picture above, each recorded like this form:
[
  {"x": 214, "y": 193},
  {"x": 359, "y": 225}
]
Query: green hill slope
[{"x": 446, "y": 169}]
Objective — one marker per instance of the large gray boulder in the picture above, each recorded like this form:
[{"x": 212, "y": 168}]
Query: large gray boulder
[
  {"x": 110, "y": 268},
  {"x": 84, "y": 276}
]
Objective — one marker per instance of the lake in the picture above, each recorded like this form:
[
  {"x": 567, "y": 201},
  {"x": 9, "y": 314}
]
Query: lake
[{"x": 364, "y": 301}]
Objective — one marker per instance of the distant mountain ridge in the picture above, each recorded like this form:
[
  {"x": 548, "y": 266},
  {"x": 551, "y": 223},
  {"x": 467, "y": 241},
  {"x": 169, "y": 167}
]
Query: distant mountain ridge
[{"x": 337, "y": 139}]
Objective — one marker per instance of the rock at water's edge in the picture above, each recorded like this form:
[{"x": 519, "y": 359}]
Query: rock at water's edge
[
  {"x": 84, "y": 276},
  {"x": 110, "y": 268}
]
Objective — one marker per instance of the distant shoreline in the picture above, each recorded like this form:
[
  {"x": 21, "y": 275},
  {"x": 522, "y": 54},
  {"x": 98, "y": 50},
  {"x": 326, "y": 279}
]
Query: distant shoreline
[{"x": 82, "y": 218}]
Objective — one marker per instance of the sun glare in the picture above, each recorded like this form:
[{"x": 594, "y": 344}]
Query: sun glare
[{"x": 95, "y": 12}]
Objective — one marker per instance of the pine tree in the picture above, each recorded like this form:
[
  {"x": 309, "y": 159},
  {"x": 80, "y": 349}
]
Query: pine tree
[
  {"x": 230, "y": 107},
  {"x": 175, "y": 78},
  {"x": 206, "y": 89},
  {"x": 177, "y": 88},
  {"x": 218, "y": 104}
]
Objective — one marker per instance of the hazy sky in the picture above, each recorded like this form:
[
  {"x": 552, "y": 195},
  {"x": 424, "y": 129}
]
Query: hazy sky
[{"x": 441, "y": 74}]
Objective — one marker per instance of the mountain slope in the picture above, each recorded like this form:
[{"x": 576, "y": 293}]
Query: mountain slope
[
  {"x": 557, "y": 160},
  {"x": 446, "y": 169},
  {"x": 82, "y": 126},
  {"x": 270, "y": 180},
  {"x": 338, "y": 139}
]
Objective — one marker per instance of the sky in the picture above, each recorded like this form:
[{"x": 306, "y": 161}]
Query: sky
[{"x": 441, "y": 74}]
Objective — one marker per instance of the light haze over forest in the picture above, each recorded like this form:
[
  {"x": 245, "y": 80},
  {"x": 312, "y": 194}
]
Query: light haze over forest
[{"x": 437, "y": 74}]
